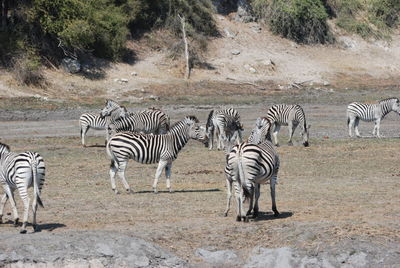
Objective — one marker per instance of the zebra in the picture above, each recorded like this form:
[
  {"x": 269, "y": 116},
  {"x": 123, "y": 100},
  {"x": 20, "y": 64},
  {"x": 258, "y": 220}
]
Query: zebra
[
  {"x": 291, "y": 116},
  {"x": 21, "y": 171},
  {"x": 259, "y": 134},
  {"x": 149, "y": 121},
  {"x": 150, "y": 149},
  {"x": 226, "y": 125},
  {"x": 98, "y": 122},
  {"x": 370, "y": 112}
]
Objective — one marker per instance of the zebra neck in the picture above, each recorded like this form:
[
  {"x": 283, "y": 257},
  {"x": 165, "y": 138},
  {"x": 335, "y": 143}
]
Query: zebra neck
[
  {"x": 386, "y": 108},
  {"x": 180, "y": 137}
]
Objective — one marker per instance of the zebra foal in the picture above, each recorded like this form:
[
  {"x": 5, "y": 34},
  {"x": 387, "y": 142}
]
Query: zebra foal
[
  {"x": 149, "y": 149},
  {"x": 370, "y": 112},
  {"x": 21, "y": 171},
  {"x": 291, "y": 116},
  {"x": 225, "y": 124},
  {"x": 248, "y": 166}
]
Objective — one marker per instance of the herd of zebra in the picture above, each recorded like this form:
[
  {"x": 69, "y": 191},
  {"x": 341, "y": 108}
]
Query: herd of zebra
[{"x": 148, "y": 137}]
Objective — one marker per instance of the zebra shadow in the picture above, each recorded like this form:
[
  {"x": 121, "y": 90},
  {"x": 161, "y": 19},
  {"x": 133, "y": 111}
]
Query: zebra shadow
[
  {"x": 39, "y": 227},
  {"x": 96, "y": 146},
  {"x": 179, "y": 191},
  {"x": 268, "y": 216}
]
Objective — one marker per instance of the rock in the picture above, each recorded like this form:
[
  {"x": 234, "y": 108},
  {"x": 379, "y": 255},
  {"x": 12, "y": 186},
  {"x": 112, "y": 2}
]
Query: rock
[
  {"x": 218, "y": 257},
  {"x": 104, "y": 249},
  {"x": 235, "y": 52},
  {"x": 134, "y": 73},
  {"x": 279, "y": 257},
  {"x": 347, "y": 42},
  {"x": 357, "y": 260},
  {"x": 256, "y": 28},
  {"x": 229, "y": 34},
  {"x": 121, "y": 80},
  {"x": 250, "y": 68},
  {"x": 243, "y": 12},
  {"x": 70, "y": 65},
  {"x": 326, "y": 83}
]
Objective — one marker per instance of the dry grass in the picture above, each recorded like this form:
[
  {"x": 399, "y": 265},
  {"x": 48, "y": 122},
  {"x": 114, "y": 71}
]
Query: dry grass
[{"x": 333, "y": 190}]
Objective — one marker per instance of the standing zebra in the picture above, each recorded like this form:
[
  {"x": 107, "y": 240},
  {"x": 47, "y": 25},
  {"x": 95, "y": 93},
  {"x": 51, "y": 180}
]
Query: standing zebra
[
  {"x": 291, "y": 116},
  {"x": 21, "y": 171},
  {"x": 148, "y": 121},
  {"x": 370, "y": 112},
  {"x": 226, "y": 125},
  {"x": 150, "y": 149},
  {"x": 259, "y": 134},
  {"x": 98, "y": 122}
]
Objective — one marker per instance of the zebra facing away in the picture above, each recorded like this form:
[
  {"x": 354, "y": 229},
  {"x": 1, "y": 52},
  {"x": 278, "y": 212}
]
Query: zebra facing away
[
  {"x": 150, "y": 149},
  {"x": 248, "y": 165},
  {"x": 370, "y": 112},
  {"x": 291, "y": 116},
  {"x": 226, "y": 126},
  {"x": 21, "y": 171},
  {"x": 149, "y": 121}
]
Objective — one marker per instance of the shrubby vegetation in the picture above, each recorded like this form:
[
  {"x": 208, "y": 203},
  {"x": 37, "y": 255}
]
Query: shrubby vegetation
[{"x": 53, "y": 29}]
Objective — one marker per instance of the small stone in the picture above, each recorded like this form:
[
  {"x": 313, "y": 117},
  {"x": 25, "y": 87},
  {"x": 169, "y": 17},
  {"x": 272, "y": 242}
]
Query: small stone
[
  {"x": 134, "y": 73},
  {"x": 326, "y": 83},
  {"x": 235, "y": 52},
  {"x": 229, "y": 33},
  {"x": 70, "y": 65}
]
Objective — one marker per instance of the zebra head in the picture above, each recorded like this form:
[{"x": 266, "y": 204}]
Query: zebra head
[
  {"x": 4, "y": 148},
  {"x": 116, "y": 112},
  {"x": 196, "y": 131},
  {"x": 396, "y": 105},
  {"x": 110, "y": 106},
  {"x": 261, "y": 131}
]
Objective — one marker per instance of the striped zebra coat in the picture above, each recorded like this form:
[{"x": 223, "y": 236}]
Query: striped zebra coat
[
  {"x": 370, "y": 112},
  {"x": 148, "y": 149},
  {"x": 21, "y": 171},
  {"x": 226, "y": 126},
  {"x": 149, "y": 121},
  {"x": 291, "y": 116},
  {"x": 248, "y": 166},
  {"x": 99, "y": 122}
]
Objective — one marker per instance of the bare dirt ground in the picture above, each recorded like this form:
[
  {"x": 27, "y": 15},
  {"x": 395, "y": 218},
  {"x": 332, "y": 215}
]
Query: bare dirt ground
[{"x": 338, "y": 198}]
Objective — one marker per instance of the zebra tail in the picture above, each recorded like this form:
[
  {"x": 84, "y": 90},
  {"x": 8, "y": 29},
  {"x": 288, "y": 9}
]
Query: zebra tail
[
  {"x": 114, "y": 162},
  {"x": 209, "y": 123},
  {"x": 348, "y": 120},
  {"x": 36, "y": 190},
  {"x": 242, "y": 175}
]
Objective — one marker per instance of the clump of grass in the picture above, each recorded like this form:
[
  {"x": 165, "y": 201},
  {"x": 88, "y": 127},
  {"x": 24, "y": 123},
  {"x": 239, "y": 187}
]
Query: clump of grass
[{"x": 27, "y": 70}]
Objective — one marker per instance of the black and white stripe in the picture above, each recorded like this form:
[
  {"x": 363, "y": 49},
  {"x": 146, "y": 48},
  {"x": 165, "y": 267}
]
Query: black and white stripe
[
  {"x": 149, "y": 149},
  {"x": 226, "y": 126},
  {"x": 291, "y": 116},
  {"x": 370, "y": 112},
  {"x": 260, "y": 134},
  {"x": 21, "y": 171},
  {"x": 149, "y": 121}
]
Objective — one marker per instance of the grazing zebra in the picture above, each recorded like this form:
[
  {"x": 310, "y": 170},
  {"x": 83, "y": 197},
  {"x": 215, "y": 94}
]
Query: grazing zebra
[
  {"x": 226, "y": 125},
  {"x": 259, "y": 134},
  {"x": 370, "y": 112},
  {"x": 291, "y": 116},
  {"x": 21, "y": 171},
  {"x": 150, "y": 149},
  {"x": 149, "y": 121},
  {"x": 98, "y": 122}
]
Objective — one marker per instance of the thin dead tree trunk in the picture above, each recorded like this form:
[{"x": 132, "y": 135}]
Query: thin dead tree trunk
[
  {"x": 187, "y": 71},
  {"x": 4, "y": 11}
]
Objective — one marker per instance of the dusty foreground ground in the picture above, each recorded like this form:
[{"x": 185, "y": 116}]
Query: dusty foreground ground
[{"x": 339, "y": 199}]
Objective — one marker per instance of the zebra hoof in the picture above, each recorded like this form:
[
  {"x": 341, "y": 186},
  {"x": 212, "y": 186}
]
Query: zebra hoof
[
  {"x": 225, "y": 214},
  {"x": 16, "y": 222},
  {"x": 246, "y": 219},
  {"x": 238, "y": 218},
  {"x": 155, "y": 190},
  {"x": 23, "y": 231},
  {"x": 276, "y": 214},
  {"x": 115, "y": 191},
  {"x": 128, "y": 191},
  {"x": 35, "y": 227},
  {"x": 290, "y": 143},
  {"x": 1, "y": 219},
  {"x": 306, "y": 144}
]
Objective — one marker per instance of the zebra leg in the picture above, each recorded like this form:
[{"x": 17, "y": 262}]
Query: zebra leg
[
  {"x": 34, "y": 209},
  {"x": 26, "y": 200},
  {"x": 10, "y": 194},
  {"x": 84, "y": 130},
  {"x": 221, "y": 137},
  {"x": 113, "y": 171},
  {"x": 377, "y": 127},
  {"x": 211, "y": 139},
  {"x": 272, "y": 186},
  {"x": 3, "y": 201},
  {"x": 356, "y": 122},
  {"x": 291, "y": 128},
  {"x": 228, "y": 195},
  {"x": 121, "y": 175},
  {"x": 239, "y": 203},
  {"x": 275, "y": 134},
  {"x": 168, "y": 176},
  {"x": 161, "y": 165},
  {"x": 256, "y": 197}
]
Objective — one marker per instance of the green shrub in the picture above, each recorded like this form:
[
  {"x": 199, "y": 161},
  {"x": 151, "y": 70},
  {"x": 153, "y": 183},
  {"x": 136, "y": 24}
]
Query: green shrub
[{"x": 304, "y": 21}]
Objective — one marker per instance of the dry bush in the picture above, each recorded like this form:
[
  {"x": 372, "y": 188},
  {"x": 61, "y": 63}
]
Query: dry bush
[{"x": 28, "y": 70}]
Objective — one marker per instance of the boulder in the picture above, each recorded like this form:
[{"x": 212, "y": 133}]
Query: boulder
[{"x": 71, "y": 65}]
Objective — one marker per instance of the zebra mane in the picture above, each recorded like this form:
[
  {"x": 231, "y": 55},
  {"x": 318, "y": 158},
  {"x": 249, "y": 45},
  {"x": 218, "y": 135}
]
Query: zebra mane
[
  {"x": 4, "y": 148},
  {"x": 209, "y": 123},
  {"x": 110, "y": 102},
  {"x": 189, "y": 117},
  {"x": 389, "y": 99}
]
